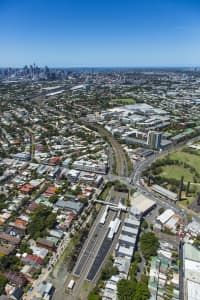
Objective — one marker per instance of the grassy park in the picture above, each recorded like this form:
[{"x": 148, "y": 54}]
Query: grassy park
[
  {"x": 169, "y": 169},
  {"x": 192, "y": 159},
  {"x": 180, "y": 167},
  {"x": 176, "y": 172}
]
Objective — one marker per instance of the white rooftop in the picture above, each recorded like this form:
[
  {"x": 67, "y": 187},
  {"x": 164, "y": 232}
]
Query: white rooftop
[
  {"x": 126, "y": 251},
  {"x": 193, "y": 290},
  {"x": 165, "y": 216},
  {"x": 142, "y": 203}
]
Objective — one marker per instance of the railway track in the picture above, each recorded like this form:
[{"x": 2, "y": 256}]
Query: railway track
[{"x": 120, "y": 157}]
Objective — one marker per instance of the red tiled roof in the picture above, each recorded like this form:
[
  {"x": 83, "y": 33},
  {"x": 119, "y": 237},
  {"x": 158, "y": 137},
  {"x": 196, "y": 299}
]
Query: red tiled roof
[
  {"x": 54, "y": 160},
  {"x": 33, "y": 206},
  {"x": 20, "y": 222},
  {"x": 34, "y": 258},
  {"x": 26, "y": 188}
]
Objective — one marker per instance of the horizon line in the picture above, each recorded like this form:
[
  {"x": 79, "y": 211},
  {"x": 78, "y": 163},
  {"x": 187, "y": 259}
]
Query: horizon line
[{"x": 103, "y": 67}]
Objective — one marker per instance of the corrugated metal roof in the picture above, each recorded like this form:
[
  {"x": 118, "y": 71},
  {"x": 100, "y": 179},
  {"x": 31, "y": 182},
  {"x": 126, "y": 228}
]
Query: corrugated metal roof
[
  {"x": 191, "y": 252},
  {"x": 165, "y": 216}
]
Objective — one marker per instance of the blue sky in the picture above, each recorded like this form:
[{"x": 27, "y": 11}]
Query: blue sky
[{"x": 70, "y": 33}]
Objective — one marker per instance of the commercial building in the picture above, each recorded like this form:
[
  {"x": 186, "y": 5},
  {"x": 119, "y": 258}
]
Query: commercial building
[
  {"x": 90, "y": 167},
  {"x": 128, "y": 238},
  {"x": 154, "y": 139},
  {"x": 75, "y": 206},
  {"x": 164, "y": 192},
  {"x": 141, "y": 205},
  {"x": 133, "y": 223},
  {"x": 165, "y": 216},
  {"x": 127, "y": 241},
  {"x": 123, "y": 265},
  {"x": 110, "y": 291},
  {"x": 124, "y": 251},
  {"x": 150, "y": 139}
]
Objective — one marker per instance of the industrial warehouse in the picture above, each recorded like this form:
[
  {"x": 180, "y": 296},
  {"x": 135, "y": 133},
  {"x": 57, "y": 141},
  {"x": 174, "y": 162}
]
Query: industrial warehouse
[{"x": 124, "y": 251}]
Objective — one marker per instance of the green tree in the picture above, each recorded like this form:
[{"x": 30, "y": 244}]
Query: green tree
[
  {"x": 53, "y": 198},
  {"x": 9, "y": 262},
  {"x": 25, "y": 248},
  {"x": 144, "y": 278},
  {"x": 126, "y": 289},
  {"x": 144, "y": 224},
  {"x": 137, "y": 257},
  {"x": 149, "y": 244},
  {"x": 109, "y": 270},
  {"x": 93, "y": 296},
  {"x": 134, "y": 268},
  {"x": 41, "y": 220},
  {"x": 142, "y": 292},
  {"x": 3, "y": 281}
]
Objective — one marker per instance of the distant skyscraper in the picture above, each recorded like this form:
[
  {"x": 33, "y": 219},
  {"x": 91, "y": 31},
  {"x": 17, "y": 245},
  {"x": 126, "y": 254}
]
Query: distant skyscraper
[{"x": 154, "y": 139}]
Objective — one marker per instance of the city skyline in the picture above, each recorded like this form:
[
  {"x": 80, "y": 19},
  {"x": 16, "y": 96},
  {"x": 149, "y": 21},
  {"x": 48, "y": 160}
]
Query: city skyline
[{"x": 87, "y": 34}]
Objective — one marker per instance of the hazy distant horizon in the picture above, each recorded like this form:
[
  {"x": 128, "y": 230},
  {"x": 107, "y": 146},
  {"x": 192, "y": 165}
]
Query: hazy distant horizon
[{"x": 105, "y": 67}]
